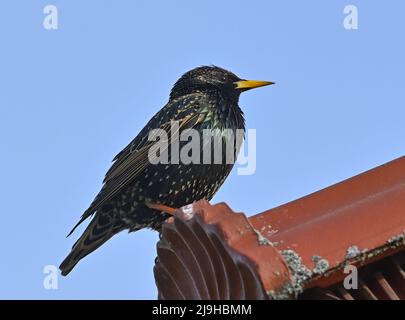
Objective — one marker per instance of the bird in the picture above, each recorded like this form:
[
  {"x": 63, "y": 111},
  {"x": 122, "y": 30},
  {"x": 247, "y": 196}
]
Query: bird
[{"x": 137, "y": 193}]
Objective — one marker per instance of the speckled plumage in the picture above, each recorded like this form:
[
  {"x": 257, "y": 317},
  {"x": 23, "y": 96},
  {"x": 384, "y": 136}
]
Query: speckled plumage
[{"x": 203, "y": 98}]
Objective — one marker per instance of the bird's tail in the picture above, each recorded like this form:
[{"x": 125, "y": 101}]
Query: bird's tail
[{"x": 101, "y": 228}]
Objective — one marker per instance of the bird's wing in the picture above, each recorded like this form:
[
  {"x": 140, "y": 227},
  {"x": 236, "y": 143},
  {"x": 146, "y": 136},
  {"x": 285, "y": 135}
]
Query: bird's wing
[{"x": 133, "y": 159}]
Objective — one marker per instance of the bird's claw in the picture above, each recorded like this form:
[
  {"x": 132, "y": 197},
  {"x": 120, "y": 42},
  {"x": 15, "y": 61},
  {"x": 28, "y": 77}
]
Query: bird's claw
[{"x": 161, "y": 207}]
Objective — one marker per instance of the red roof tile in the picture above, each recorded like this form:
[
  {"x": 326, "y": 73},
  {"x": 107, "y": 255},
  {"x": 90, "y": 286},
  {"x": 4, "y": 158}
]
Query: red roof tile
[{"x": 211, "y": 252}]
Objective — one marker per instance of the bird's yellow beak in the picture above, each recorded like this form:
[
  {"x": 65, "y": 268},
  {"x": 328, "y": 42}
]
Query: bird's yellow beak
[{"x": 251, "y": 84}]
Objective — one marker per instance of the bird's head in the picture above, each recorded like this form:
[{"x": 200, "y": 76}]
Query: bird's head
[{"x": 214, "y": 78}]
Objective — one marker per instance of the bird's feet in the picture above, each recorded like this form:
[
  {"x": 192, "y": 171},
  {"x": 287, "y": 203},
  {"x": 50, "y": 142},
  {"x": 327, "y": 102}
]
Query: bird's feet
[{"x": 161, "y": 207}]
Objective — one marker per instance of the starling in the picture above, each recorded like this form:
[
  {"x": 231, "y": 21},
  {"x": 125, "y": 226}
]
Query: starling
[{"x": 137, "y": 194}]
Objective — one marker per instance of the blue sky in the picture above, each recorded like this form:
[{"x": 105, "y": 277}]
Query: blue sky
[{"x": 72, "y": 98}]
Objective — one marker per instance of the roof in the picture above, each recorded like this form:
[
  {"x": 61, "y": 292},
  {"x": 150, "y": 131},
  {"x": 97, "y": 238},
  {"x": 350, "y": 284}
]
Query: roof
[{"x": 299, "y": 249}]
